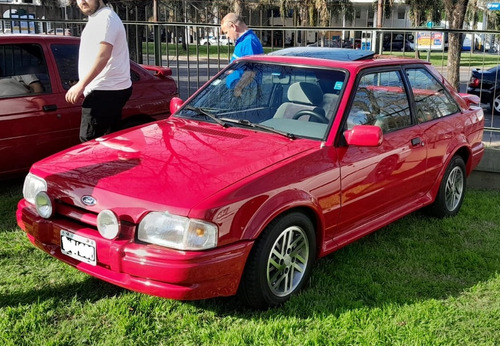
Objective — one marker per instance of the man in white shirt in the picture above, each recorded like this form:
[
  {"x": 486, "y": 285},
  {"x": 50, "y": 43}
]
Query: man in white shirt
[{"x": 103, "y": 69}]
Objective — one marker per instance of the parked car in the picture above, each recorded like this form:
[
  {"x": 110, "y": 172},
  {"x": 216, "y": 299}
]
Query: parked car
[
  {"x": 59, "y": 31},
  {"x": 223, "y": 40},
  {"x": 332, "y": 43},
  {"x": 486, "y": 85},
  {"x": 33, "y": 126},
  {"x": 399, "y": 45},
  {"x": 276, "y": 161},
  {"x": 208, "y": 40}
]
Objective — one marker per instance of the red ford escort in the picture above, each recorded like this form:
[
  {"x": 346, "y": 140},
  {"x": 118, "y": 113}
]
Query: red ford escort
[{"x": 278, "y": 160}]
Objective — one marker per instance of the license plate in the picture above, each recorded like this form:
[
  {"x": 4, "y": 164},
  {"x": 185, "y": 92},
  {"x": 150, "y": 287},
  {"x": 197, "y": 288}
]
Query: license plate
[{"x": 78, "y": 247}]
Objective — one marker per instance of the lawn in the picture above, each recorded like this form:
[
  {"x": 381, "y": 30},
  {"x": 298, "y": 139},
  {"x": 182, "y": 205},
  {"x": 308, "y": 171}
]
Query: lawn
[{"x": 419, "y": 281}]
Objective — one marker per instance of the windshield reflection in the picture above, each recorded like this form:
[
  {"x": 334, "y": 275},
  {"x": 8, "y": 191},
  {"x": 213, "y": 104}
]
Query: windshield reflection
[{"x": 293, "y": 100}]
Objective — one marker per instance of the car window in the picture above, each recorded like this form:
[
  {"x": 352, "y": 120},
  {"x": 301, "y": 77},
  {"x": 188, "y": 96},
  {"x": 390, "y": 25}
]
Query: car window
[
  {"x": 23, "y": 70},
  {"x": 66, "y": 57},
  {"x": 431, "y": 99},
  {"x": 380, "y": 100},
  {"x": 294, "y": 99}
]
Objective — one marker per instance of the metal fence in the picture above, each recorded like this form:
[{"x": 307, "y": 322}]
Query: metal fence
[{"x": 196, "y": 52}]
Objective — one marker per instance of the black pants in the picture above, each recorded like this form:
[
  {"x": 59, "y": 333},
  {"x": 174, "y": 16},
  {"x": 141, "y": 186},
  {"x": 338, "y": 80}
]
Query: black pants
[{"x": 102, "y": 112}]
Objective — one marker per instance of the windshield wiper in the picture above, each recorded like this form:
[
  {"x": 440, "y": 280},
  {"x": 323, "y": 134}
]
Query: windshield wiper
[
  {"x": 207, "y": 113},
  {"x": 260, "y": 126}
]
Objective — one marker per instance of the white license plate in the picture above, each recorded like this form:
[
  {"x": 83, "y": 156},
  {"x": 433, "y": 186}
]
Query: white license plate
[{"x": 78, "y": 247}]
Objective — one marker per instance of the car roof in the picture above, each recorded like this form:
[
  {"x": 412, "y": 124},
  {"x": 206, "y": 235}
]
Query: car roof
[
  {"x": 338, "y": 54},
  {"x": 33, "y": 38}
]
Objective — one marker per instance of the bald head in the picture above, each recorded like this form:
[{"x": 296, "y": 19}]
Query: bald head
[{"x": 233, "y": 26}]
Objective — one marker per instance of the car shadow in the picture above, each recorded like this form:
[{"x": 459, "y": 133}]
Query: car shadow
[{"x": 393, "y": 266}]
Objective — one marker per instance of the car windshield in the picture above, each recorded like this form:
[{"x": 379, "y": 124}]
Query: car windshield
[{"x": 293, "y": 100}]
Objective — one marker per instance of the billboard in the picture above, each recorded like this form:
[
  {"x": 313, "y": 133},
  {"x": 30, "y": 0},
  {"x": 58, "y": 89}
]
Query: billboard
[{"x": 431, "y": 40}]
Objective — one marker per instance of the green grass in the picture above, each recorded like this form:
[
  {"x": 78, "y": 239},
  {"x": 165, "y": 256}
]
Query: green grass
[{"x": 419, "y": 281}]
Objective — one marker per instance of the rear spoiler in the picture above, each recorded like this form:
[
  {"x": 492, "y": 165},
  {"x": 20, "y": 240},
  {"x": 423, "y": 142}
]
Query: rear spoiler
[{"x": 158, "y": 71}]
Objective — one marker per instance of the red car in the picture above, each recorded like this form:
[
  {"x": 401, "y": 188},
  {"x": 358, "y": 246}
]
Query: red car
[
  {"x": 276, "y": 161},
  {"x": 35, "y": 119}
]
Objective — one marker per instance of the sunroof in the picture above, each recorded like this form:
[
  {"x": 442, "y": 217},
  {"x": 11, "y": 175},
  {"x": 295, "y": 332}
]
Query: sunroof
[{"x": 342, "y": 54}]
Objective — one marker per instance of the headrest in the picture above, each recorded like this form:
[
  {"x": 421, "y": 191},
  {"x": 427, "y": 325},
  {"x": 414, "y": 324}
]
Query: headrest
[{"x": 305, "y": 93}]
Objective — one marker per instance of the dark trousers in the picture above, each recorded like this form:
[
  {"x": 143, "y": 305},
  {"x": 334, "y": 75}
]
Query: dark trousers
[{"x": 102, "y": 112}]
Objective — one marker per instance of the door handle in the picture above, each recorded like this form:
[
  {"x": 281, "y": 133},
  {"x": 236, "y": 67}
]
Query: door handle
[
  {"x": 416, "y": 141},
  {"x": 49, "y": 108}
]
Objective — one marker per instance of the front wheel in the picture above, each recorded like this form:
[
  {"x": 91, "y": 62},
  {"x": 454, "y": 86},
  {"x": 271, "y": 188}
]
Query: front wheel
[
  {"x": 451, "y": 191},
  {"x": 280, "y": 262}
]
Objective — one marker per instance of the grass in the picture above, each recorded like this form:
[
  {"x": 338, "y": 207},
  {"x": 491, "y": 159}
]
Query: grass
[{"x": 419, "y": 281}]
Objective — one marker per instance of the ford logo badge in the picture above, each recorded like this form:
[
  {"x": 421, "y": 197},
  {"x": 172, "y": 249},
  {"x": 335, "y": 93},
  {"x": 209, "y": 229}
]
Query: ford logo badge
[{"x": 89, "y": 200}]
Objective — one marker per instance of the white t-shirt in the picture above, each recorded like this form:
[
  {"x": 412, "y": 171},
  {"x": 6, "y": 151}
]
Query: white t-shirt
[{"x": 105, "y": 26}]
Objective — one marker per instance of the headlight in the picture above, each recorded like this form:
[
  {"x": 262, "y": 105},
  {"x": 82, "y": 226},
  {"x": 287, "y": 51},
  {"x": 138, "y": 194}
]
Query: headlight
[
  {"x": 107, "y": 224},
  {"x": 177, "y": 232},
  {"x": 43, "y": 204},
  {"x": 32, "y": 186}
]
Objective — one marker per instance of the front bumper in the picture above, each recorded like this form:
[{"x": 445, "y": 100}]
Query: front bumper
[{"x": 146, "y": 268}]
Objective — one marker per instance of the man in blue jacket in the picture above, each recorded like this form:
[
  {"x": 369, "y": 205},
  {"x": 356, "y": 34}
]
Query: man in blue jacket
[{"x": 246, "y": 43}]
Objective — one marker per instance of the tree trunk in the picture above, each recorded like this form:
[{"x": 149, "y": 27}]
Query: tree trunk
[
  {"x": 455, "y": 11},
  {"x": 453, "y": 67}
]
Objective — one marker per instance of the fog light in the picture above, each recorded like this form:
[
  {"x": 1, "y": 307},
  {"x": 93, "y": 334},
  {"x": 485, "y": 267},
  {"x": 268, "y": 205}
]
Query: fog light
[
  {"x": 43, "y": 204},
  {"x": 107, "y": 224}
]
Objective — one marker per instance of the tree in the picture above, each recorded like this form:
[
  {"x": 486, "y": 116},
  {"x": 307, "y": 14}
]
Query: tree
[{"x": 455, "y": 13}]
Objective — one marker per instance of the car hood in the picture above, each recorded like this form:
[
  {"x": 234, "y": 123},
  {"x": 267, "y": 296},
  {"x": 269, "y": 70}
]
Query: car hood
[{"x": 173, "y": 163}]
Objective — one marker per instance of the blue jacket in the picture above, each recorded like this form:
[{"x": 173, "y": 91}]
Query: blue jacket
[{"x": 247, "y": 44}]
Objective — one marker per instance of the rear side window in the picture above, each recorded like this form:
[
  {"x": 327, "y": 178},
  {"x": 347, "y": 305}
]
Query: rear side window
[
  {"x": 380, "y": 100},
  {"x": 431, "y": 99},
  {"x": 66, "y": 56},
  {"x": 23, "y": 70}
]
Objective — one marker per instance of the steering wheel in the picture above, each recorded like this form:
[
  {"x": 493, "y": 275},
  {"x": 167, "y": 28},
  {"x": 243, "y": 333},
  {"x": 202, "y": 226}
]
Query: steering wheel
[{"x": 313, "y": 115}]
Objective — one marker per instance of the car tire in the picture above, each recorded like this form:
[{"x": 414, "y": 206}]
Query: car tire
[
  {"x": 495, "y": 103},
  {"x": 451, "y": 191},
  {"x": 280, "y": 262}
]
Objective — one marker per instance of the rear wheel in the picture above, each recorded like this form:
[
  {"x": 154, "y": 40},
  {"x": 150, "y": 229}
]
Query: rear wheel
[
  {"x": 280, "y": 262},
  {"x": 451, "y": 191}
]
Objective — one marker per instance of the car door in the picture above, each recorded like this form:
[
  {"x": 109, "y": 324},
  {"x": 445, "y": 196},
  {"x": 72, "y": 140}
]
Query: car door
[
  {"x": 433, "y": 102},
  {"x": 34, "y": 125},
  {"x": 382, "y": 181}
]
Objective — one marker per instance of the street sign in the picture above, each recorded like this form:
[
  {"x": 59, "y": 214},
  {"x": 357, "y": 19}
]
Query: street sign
[{"x": 493, "y": 6}]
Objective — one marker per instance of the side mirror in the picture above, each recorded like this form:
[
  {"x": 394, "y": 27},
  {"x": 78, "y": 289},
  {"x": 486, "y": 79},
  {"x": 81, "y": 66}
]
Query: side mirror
[
  {"x": 364, "y": 136},
  {"x": 471, "y": 99},
  {"x": 175, "y": 104}
]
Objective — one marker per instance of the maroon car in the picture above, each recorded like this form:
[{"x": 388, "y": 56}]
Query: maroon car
[{"x": 39, "y": 122}]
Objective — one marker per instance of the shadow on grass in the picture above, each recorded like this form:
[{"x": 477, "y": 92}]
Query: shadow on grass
[
  {"x": 90, "y": 290},
  {"x": 414, "y": 259}
]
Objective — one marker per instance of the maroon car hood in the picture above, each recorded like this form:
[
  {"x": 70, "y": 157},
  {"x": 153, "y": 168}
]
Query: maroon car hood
[{"x": 172, "y": 163}]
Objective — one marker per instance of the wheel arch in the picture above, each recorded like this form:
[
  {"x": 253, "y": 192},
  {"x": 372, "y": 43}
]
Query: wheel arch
[
  {"x": 282, "y": 204},
  {"x": 465, "y": 153}
]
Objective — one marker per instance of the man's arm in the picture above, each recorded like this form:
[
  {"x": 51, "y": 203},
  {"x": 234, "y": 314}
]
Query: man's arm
[
  {"x": 36, "y": 87},
  {"x": 76, "y": 91}
]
